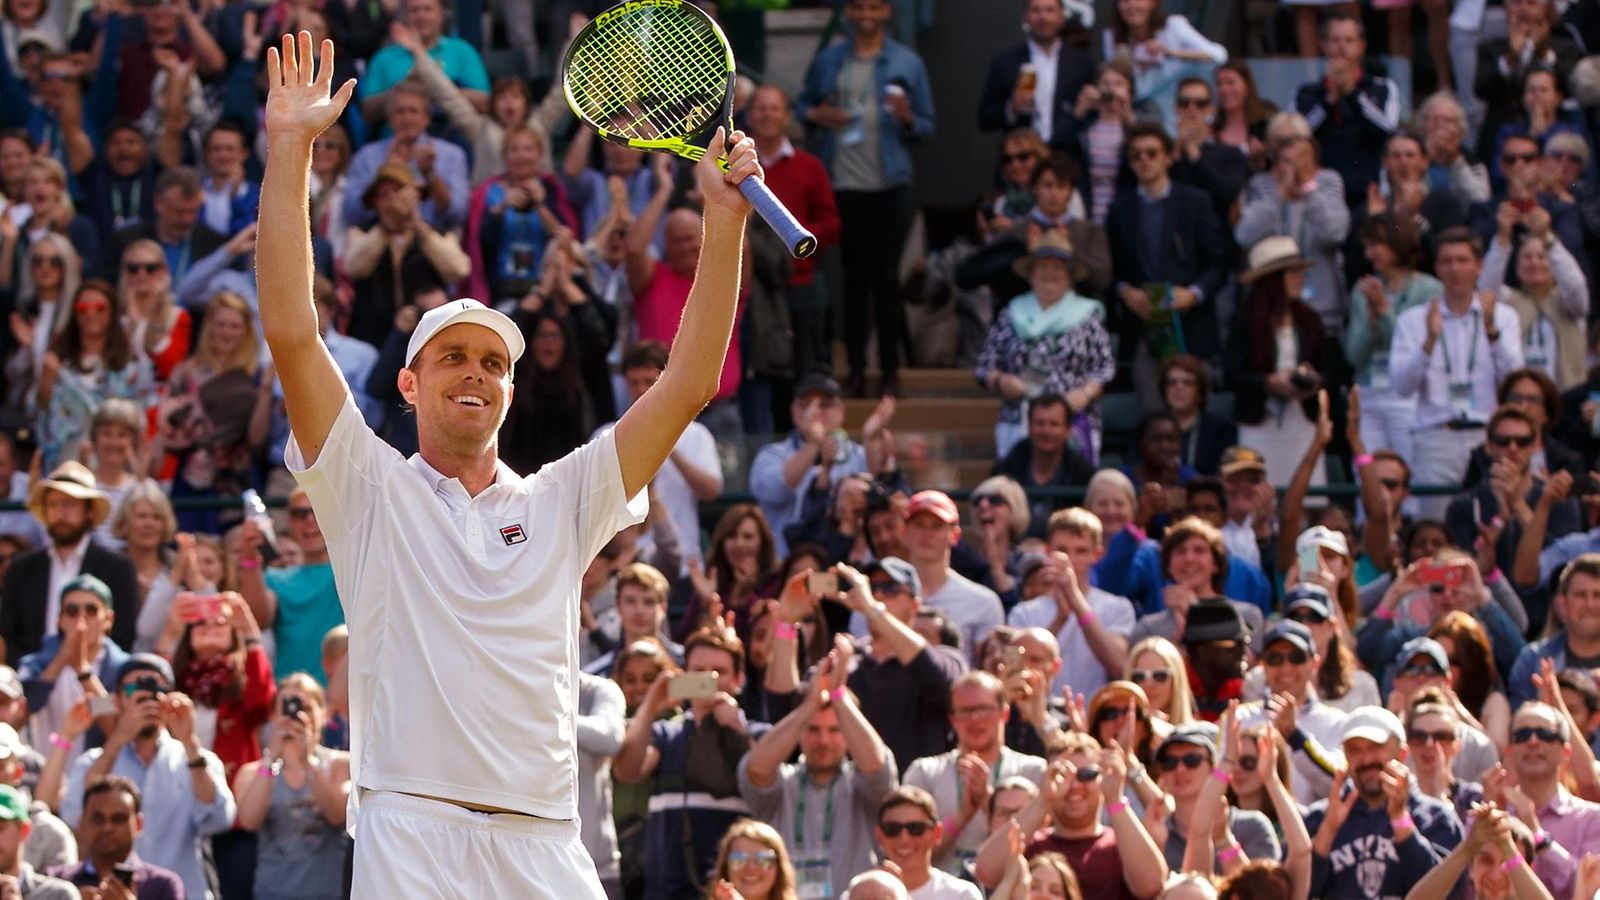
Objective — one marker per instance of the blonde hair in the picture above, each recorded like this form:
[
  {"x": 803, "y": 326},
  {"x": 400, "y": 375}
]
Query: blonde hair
[
  {"x": 1109, "y": 479},
  {"x": 1016, "y": 500},
  {"x": 165, "y": 311},
  {"x": 1077, "y": 521},
  {"x": 71, "y": 277},
  {"x": 1180, "y": 710},
  {"x": 145, "y": 490},
  {"x": 783, "y": 887},
  {"x": 247, "y": 356}
]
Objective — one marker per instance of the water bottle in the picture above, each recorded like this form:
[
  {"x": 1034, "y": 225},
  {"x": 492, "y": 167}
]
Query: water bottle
[{"x": 255, "y": 509}]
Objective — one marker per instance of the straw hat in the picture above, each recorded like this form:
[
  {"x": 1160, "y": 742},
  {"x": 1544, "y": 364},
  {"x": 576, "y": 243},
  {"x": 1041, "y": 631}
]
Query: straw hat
[
  {"x": 1278, "y": 253},
  {"x": 1052, "y": 244},
  {"x": 75, "y": 480}
]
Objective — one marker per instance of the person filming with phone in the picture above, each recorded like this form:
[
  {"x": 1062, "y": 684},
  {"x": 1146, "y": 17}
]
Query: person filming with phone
[
  {"x": 154, "y": 743},
  {"x": 690, "y": 761},
  {"x": 1422, "y": 594}
]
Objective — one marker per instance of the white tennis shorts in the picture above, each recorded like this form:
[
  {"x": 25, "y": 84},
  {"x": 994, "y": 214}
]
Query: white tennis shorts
[{"x": 415, "y": 848}]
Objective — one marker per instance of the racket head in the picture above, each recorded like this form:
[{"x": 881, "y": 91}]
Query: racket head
[{"x": 652, "y": 75}]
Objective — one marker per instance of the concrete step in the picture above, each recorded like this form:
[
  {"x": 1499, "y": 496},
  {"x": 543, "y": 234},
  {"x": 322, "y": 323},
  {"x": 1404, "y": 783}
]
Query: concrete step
[{"x": 929, "y": 413}]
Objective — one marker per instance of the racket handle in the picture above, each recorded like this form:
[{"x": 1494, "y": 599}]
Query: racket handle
[{"x": 801, "y": 243}]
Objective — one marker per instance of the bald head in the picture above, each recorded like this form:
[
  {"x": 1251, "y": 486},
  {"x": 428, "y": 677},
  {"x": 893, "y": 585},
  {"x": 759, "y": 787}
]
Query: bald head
[
  {"x": 682, "y": 240},
  {"x": 876, "y": 884}
]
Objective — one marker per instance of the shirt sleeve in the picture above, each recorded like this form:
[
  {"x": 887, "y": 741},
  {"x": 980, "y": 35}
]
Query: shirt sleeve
[
  {"x": 348, "y": 477},
  {"x": 217, "y": 816},
  {"x": 592, "y": 477},
  {"x": 1116, "y": 614}
]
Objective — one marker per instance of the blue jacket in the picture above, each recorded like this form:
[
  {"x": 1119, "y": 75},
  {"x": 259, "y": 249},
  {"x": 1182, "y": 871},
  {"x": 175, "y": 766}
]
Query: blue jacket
[
  {"x": 1367, "y": 862},
  {"x": 31, "y": 670},
  {"x": 897, "y": 63},
  {"x": 1131, "y": 568},
  {"x": 1379, "y": 641},
  {"x": 1519, "y": 687}
]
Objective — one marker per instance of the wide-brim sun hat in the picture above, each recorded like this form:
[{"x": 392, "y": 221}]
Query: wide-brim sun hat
[
  {"x": 1278, "y": 253},
  {"x": 75, "y": 480}
]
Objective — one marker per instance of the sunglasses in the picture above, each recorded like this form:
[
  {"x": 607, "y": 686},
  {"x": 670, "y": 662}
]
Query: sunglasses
[
  {"x": 134, "y": 687},
  {"x": 1306, "y": 617},
  {"x": 138, "y": 268},
  {"x": 1419, "y": 737},
  {"x": 1188, "y": 760},
  {"x": 1087, "y": 774},
  {"x": 1524, "y": 735},
  {"x": 972, "y": 712},
  {"x": 1523, "y": 441},
  {"x": 92, "y": 306},
  {"x": 1294, "y": 657},
  {"x": 74, "y": 610},
  {"x": 1009, "y": 158},
  {"x": 1159, "y": 676},
  {"x": 301, "y": 512},
  {"x": 916, "y": 829},
  {"x": 54, "y": 262},
  {"x": 886, "y": 587},
  {"x": 1193, "y": 102},
  {"x": 1146, "y": 153},
  {"x": 1112, "y": 714},
  {"x": 988, "y": 500},
  {"x": 766, "y": 859},
  {"x": 1422, "y": 671},
  {"x": 1513, "y": 159}
]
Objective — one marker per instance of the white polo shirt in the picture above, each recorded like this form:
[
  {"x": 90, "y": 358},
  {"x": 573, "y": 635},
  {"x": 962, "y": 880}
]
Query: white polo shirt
[{"x": 463, "y": 614}]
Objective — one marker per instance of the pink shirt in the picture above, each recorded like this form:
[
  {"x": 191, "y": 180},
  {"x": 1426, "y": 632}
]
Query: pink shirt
[
  {"x": 659, "y": 310},
  {"x": 1574, "y": 823}
]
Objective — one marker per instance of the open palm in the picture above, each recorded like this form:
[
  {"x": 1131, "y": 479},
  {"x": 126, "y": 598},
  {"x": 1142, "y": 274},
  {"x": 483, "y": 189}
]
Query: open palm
[{"x": 298, "y": 101}]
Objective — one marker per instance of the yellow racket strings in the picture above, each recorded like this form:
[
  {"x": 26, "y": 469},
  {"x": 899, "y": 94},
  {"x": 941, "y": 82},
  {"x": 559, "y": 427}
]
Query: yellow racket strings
[{"x": 651, "y": 75}]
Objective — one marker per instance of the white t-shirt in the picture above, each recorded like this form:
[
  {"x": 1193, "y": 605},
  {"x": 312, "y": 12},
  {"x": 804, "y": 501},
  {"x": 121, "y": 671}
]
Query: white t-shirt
[
  {"x": 463, "y": 639},
  {"x": 1079, "y": 666},
  {"x": 973, "y": 608},
  {"x": 674, "y": 495},
  {"x": 944, "y": 886}
]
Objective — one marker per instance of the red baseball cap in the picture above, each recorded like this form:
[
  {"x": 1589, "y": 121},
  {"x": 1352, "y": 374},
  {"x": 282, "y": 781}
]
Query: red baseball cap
[{"x": 936, "y": 502}]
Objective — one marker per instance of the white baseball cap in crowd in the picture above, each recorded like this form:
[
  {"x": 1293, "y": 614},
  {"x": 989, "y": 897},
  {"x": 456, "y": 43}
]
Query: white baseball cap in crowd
[
  {"x": 1375, "y": 724},
  {"x": 464, "y": 310}
]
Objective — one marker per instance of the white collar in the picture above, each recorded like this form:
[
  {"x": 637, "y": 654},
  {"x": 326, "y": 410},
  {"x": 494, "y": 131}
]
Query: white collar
[
  {"x": 785, "y": 150},
  {"x": 447, "y": 486}
]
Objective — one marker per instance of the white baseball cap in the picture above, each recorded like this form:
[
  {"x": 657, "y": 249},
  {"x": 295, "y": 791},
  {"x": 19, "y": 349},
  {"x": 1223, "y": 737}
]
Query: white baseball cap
[{"x": 464, "y": 310}]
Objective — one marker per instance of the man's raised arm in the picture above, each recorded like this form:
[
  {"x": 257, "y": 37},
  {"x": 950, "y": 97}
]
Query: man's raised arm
[
  {"x": 299, "y": 108},
  {"x": 652, "y": 425}
]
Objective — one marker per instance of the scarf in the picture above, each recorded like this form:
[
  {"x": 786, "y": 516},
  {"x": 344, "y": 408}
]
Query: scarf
[
  {"x": 1032, "y": 321},
  {"x": 210, "y": 682}
]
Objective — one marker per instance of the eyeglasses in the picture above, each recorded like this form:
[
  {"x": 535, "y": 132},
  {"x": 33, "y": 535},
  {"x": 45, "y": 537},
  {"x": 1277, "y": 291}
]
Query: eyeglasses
[
  {"x": 1421, "y": 670},
  {"x": 1419, "y": 737},
  {"x": 54, "y": 262},
  {"x": 74, "y": 610},
  {"x": 1188, "y": 760},
  {"x": 1146, "y": 153},
  {"x": 1522, "y": 441},
  {"x": 1521, "y": 399},
  {"x": 85, "y": 306},
  {"x": 971, "y": 712},
  {"x": 1524, "y": 735},
  {"x": 1159, "y": 676},
  {"x": 766, "y": 859},
  {"x": 1513, "y": 159},
  {"x": 301, "y": 512},
  {"x": 1294, "y": 657},
  {"x": 1390, "y": 484},
  {"x": 1248, "y": 763},
  {"x": 1009, "y": 158},
  {"x": 989, "y": 500},
  {"x": 916, "y": 829},
  {"x": 1193, "y": 102},
  {"x": 1306, "y": 617},
  {"x": 139, "y": 268}
]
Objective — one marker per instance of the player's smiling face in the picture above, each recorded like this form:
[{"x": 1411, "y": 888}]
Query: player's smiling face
[{"x": 460, "y": 384}]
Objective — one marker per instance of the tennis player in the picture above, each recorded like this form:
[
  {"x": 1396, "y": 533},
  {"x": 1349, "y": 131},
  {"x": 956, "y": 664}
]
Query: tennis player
[{"x": 458, "y": 578}]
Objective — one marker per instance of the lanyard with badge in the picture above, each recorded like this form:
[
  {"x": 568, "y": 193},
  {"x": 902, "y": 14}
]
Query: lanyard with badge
[
  {"x": 1536, "y": 353},
  {"x": 124, "y": 215},
  {"x": 995, "y": 778},
  {"x": 813, "y": 868},
  {"x": 1461, "y": 388},
  {"x": 1378, "y": 368}
]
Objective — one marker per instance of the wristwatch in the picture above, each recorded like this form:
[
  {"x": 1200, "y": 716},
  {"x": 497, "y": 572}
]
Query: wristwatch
[{"x": 85, "y": 674}]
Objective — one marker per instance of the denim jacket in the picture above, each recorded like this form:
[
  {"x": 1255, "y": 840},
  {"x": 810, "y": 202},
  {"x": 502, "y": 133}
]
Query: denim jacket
[
  {"x": 897, "y": 63},
  {"x": 30, "y": 671}
]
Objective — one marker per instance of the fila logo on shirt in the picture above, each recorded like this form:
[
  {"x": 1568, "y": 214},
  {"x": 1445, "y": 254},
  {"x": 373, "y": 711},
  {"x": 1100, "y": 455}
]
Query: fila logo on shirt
[{"x": 513, "y": 534}]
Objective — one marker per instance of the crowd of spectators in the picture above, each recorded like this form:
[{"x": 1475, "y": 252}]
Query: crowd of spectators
[{"x": 1213, "y": 678}]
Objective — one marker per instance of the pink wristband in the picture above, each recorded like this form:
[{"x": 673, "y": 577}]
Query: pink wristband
[
  {"x": 249, "y": 562},
  {"x": 1364, "y": 459},
  {"x": 1230, "y": 854},
  {"x": 266, "y": 772},
  {"x": 1385, "y": 614},
  {"x": 1086, "y": 617},
  {"x": 785, "y": 631},
  {"x": 1514, "y": 863},
  {"x": 1222, "y": 776},
  {"x": 1403, "y": 823},
  {"x": 1114, "y": 808},
  {"x": 59, "y": 741}
]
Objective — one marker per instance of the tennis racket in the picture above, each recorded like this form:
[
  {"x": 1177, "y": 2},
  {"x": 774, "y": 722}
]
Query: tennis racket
[{"x": 659, "y": 75}]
